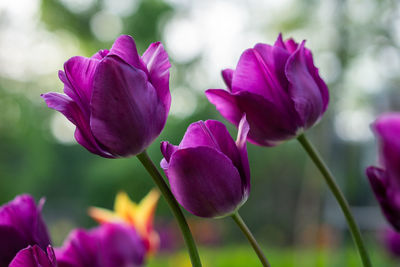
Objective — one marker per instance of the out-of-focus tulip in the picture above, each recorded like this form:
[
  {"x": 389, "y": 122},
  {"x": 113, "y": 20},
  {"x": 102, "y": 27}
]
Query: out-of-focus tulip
[
  {"x": 21, "y": 225},
  {"x": 119, "y": 101},
  {"x": 391, "y": 240},
  {"x": 279, "y": 89},
  {"x": 138, "y": 216},
  {"x": 208, "y": 172},
  {"x": 109, "y": 245},
  {"x": 385, "y": 180},
  {"x": 34, "y": 256}
]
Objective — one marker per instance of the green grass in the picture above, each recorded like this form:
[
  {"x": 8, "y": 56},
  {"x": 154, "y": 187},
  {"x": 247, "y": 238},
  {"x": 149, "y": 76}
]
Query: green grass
[{"x": 239, "y": 256}]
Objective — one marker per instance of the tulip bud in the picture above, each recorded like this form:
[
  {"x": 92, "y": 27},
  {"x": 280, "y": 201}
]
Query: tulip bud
[
  {"x": 119, "y": 101},
  {"x": 21, "y": 225},
  {"x": 385, "y": 180},
  {"x": 208, "y": 172},
  {"x": 279, "y": 89},
  {"x": 34, "y": 257}
]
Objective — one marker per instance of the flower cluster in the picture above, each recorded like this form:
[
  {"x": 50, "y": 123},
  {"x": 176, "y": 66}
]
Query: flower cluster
[
  {"x": 119, "y": 102},
  {"x": 25, "y": 242}
]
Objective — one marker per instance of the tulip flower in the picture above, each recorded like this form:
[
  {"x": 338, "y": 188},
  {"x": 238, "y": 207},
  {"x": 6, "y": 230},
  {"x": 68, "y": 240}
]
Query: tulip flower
[
  {"x": 109, "y": 245},
  {"x": 385, "y": 180},
  {"x": 21, "y": 225},
  {"x": 208, "y": 172},
  {"x": 119, "y": 101},
  {"x": 139, "y": 216},
  {"x": 34, "y": 256},
  {"x": 391, "y": 240},
  {"x": 279, "y": 89}
]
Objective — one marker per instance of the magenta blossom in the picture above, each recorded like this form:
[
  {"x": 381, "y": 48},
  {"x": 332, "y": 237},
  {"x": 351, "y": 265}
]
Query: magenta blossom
[
  {"x": 385, "y": 180},
  {"x": 208, "y": 172},
  {"x": 21, "y": 225},
  {"x": 391, "y": 240},
  {"x": 279, "y": 89},
  {"x": 109, "y": 245},
  {"x": 34, "y": 257},
  {"x": 119, "y": 101}
]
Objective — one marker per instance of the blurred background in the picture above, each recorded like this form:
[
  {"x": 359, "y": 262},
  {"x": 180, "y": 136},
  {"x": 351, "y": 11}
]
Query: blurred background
[{"x": 355, "y": 45}]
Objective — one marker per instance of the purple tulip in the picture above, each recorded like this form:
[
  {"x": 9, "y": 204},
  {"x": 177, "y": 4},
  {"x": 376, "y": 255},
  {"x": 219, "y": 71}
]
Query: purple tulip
[
  {"x": 385, "y": 180},
  {"x": 34, "y": 257},
  {"x": 208, "y": 172},
  {"x": 21, "y": 225},
  {"x": 279, "y": 89},
  {"x": 391, "y": 240},
  {"x": 118, "y": 101},
  {"x": 109, "y": 245}
]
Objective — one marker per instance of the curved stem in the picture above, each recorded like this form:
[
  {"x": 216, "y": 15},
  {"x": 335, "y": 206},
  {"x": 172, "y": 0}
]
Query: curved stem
[
  {"x": 239, "y": 221},
  {"x": 355, "y": 231},
  {"x": 173, "y": 204}
]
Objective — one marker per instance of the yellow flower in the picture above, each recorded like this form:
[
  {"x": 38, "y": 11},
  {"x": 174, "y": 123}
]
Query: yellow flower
[{"x": 140, "y": 216}]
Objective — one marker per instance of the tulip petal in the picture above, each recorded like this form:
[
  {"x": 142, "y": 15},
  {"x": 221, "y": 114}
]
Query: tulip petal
[
  {"x": 279, "y": 42},
  {"x": 202, "y": 187},
  {"x": 255, "y": 76},
  {"x": 303, "y": 90},
  {"x": 144, "y": 220},
  {"x": 267, "y": 128},
  {"x": 79, "y": 72},
  {"x": 225, "y": 144},
  {"x": 392, "y": 242},
  {"x": 377, "y": 178},
  {"x": 275, "y": 59},
  {"x": 126, "y": 115},
  {"x": 103, "y": 215},
  {"x": 110, "y": 245},
  {"x": 167, "y": 150},
  {"x": 289, "y": 45},
  {"x": 270, "y": 127},
  {"x": 227, "y": 75},
  {"x": 252, "y": 75},
  {"x": 387, "y": 196},
  {"x": 198, "y": 134},
  {"x": 101, "y": 54},
  {"x": 124, "y": 207},
  {"x": 241, "y": 143},
  {"x": 317, "y": 78},
  {"x": 157, "y": 62},
  {"x": 33, "y": 257},
  {"x": 387, "y": 128},
  {"x": 83, "y": 135},
  {"x": 11, "y": 241},
  {"x": 225, "y": 104},
  {"x": 79, "y": 250},
  {"x": 122, "y": 246},
  {"x": 125, "y": 48}
]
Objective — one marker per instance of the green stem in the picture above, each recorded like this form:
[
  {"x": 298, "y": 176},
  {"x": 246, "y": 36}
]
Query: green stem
[
  {"x": 173, "y": 204},
  {"x": 239, "y": 221},
  {"x": 355, "y": 231}
]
